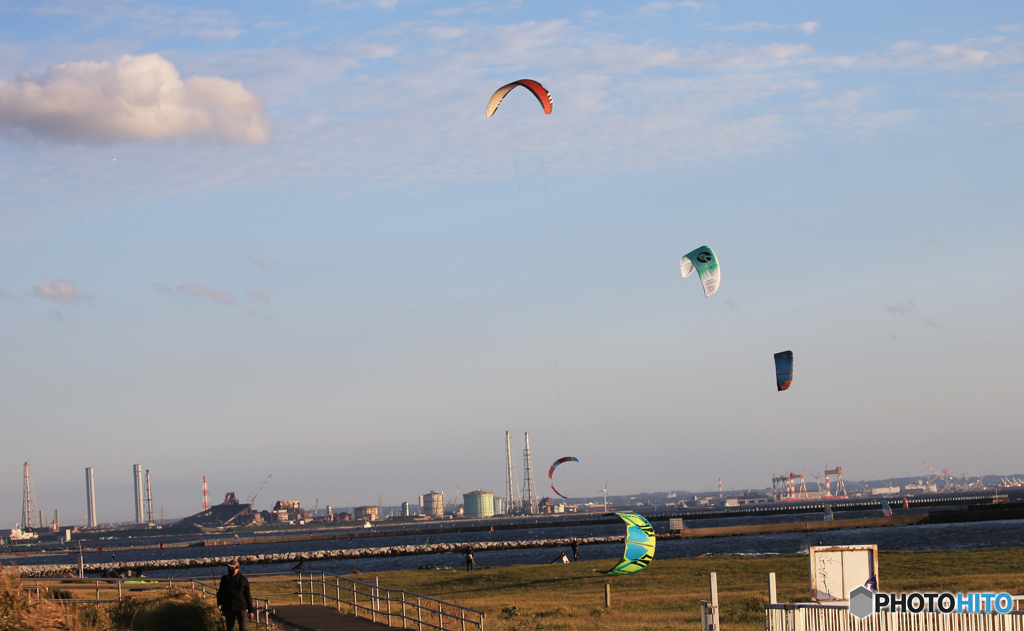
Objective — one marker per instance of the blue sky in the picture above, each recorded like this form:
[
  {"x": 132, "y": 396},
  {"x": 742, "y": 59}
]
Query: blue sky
[{"x": 241, "y": 239}]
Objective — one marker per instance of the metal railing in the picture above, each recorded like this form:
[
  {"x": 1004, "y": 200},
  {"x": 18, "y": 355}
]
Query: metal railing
[
  {"x": 384, "y": 604},
  {"x": 819, "y": 617},
  {"x": 394, "y": 607},
  {"x": 103, "y": 590}
]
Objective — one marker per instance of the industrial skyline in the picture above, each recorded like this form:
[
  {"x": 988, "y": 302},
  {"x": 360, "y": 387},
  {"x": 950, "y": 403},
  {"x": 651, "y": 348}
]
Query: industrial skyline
[{"x": 300, "y": 246}]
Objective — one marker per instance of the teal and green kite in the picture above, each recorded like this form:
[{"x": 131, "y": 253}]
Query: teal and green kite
[{"x": 639, "y": 545}]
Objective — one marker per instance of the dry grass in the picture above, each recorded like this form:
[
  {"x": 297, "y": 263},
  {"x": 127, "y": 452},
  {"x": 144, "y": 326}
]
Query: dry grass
[
  {"x": 570, "y": 597},
  {"x": 22, "y": 609}
]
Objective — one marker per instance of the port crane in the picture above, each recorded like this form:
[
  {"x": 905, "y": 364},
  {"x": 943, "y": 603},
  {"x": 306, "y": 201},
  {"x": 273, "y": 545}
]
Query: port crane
[
  {"x": 252, "y": 498},
  {"x": 940, "y": 476}
]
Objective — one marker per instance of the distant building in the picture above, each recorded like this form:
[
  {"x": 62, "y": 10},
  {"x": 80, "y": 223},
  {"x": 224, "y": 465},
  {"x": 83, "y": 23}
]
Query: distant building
[
  {"x": 478, "y": 504},
  {"x": 230, "y": 513},
  {"x": 499, "y": 506},
  {"x": 432, "y": 504},
  {"x": 886, "y": 490},
  {"x": 405, "y": 509},
  {"x": 366, "y": 513},
  {"x": 287, "y": 505}
]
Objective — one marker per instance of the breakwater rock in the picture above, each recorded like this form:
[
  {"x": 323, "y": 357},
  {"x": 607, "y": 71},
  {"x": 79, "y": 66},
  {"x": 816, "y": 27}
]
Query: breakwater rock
[{"x": 42, "y": 571}]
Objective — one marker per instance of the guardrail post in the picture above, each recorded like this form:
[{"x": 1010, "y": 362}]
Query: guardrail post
[
  {"x": 607, "y": 595},
  {"x": 300, "y": 589},
  {"x": 118, "y": 590},
  {"x": 403, "y": 609},
  {"x": 323, "y": 587},
  {"x": 713, "y": 580},
  {"x": 388, "y": 598},
  {"x": 419, "y": 615},
  {"x": 97, "y": 590},
  {"x": 373, "y": 597},
  {"x": 337, "y": 589},
  {"x": 772, "y": 597}
]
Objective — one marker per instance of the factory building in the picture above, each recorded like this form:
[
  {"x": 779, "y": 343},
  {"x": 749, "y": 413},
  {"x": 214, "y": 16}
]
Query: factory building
[
  {"x": 432, "y": 504},
  {"x": 478, "y": 504},
  {"x": 365, "y": 513}
]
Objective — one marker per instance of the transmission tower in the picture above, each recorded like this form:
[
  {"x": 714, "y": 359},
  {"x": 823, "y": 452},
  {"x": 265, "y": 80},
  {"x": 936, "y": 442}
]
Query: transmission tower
[
  {"x": 529, "y": 491},
  {"x": 511, "y": 480},
  {"x": 28, "y": 505},
  {"x": 149, "y": 501}
]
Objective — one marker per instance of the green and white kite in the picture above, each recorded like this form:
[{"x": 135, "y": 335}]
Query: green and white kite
[{"x": 703, "y": 259}]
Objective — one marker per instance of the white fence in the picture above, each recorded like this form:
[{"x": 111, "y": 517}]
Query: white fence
[{"x": 814, "y": 617}]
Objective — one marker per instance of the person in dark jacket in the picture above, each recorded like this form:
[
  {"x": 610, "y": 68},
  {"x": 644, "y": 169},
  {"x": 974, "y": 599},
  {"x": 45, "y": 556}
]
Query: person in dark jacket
[
  {"x": 233, "y": 597},
  {"x": 575, "y": 544}
]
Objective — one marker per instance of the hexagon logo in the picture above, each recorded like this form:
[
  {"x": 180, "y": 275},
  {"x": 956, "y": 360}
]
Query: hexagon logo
[{"x": 862, "y": 602}]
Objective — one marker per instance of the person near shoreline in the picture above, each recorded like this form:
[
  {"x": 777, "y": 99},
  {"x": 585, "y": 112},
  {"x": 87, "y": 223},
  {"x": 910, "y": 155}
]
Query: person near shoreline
[
  {"x": 233, "y": 597},
  {"x": 470, "y": 561},
  {"x": 575, "y": 544}
]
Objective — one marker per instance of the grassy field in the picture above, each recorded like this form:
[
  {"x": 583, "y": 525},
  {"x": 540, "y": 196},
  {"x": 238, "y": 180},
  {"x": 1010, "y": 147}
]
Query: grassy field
[{"x": 665, "y": 595}]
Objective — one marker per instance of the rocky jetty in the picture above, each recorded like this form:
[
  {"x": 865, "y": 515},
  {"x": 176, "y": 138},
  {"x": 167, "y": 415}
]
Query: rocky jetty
[{"x": 41, "y": 571}]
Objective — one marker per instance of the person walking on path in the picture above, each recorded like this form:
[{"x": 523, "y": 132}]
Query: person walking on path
[
  {"x": 233, "y": 597},
  {"x": 575, "y": 543},
  {"x": 470, "y": 562}
]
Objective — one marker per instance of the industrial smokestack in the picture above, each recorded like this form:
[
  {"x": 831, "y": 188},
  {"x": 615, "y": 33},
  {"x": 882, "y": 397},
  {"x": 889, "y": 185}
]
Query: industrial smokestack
[
  {"x": 90, "y": 497},
  {"x": 137, "y": 470}
]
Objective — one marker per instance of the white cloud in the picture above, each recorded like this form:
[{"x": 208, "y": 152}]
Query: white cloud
[
  {"x": 196, "y": 289},
  {"x": 1011, "y": 28},
  {"x": 806, "y": 27},
  {"x": 445, "y": 32},
  {"x": 654, "y": 8},
  {"x": 259, "y": 263},
  {"x": 957, "y": 56},
  {"x": 259, "y": 295},
  {"x": 900, "y": 308},
  {"x": 135, "y": 98},
  {"x": 60, "y": 291}
]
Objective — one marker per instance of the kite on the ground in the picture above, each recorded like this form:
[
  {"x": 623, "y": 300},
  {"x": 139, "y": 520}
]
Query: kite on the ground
[
  {"x": 703, "y": 259},
  {"x": 886, "y": 510},
  {"x": 537, "y": 89},
  {"x": 784, "y": 369},
  {"x": 551, "y": 472},
  {"x": 639, "y": 545}
]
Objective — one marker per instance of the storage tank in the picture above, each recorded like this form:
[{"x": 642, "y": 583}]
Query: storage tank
[
  {"x": 433, "y": 504},
  {"x": 405, "y": 509},
  {"x": 478, "y": 504},
  {"x": 499, "y": 506}
]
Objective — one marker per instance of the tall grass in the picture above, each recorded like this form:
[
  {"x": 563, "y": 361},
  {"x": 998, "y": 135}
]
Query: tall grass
[{"x": 175, "y": 610}]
